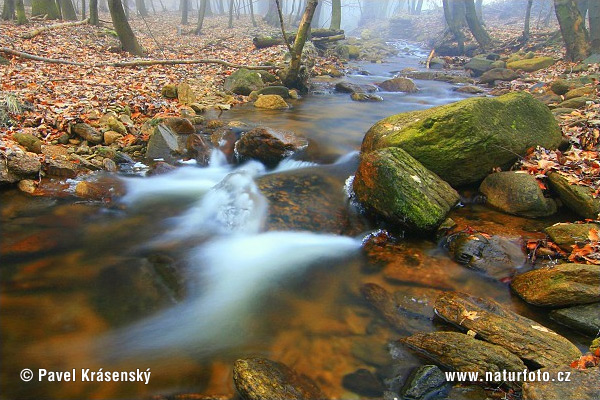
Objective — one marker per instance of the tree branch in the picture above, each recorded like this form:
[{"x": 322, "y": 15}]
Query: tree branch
[
  {"x": 287, "y": 44},
  {"x": 35, "y": 32},
  {"x": 135, "y": 63}
]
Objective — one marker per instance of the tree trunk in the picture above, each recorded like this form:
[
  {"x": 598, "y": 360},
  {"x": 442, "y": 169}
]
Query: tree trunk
[
  {"x": 83, "y": 9},
  {"x": 572, "y": 29},
  {"x": 45, "y": 7},
  {"x": 201, "y": 15},
  {"x": 594, "y": 20},
  {"x": 184, "y": 5},
  {"x": 67, "y": 10},
  {"x": 271, "y": 17},
  {"x": 230, "y": 14},
  {"x": 252, "y": 13},
  {"x": 21, "y": 17},
  {"x": 525, "y": 36},
  {"x": 140, "y": 6},
  {"x": 479, "y": 9},
  {"x": 94, "y": 13},
  {"x": 419, "y": 7},
  {"x": 478, "y": 31},
  {"x": 454, "y": 26},
  {"x": 458, "y": 12},
  {"x": 336, "y": 14},
  {"x": 316, "y": 19},
  {"x": 292, "y": 77},
  {"x": 8, "y": 11},
  {"x": 221, "y": 7},
  {"x": 583, "y": 6},
  {"x": 126, "y": 35}
]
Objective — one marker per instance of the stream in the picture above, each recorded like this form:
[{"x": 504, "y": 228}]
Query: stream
[{"x": 191, "y": 270}]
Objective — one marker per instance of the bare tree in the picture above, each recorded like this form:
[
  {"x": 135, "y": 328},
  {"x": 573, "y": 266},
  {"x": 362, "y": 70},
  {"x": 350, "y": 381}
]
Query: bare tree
[
  {"x": 230, "y": 14},
  {"x": 572, "y": 28},
  {"x": 454, "y": 26},
  {"x": 45, "y": 7},
  {"x": 124, "y": 31},
  {"x": 525, "y": 36},
  {"x": 336, "y": 14},
  {"x": 140, "y": 6},
  {"x": 293, "y": 78},
  {"x": 479, "y": 33},
  {"x": 201, "y": 15},
  {"x": 185, "y": 7},
  {"x": 20, "y": 8},
  {"x": 94, "y": 12},
  {"x": 250, "y": 2},
  {"x": 8, "y": 10}
]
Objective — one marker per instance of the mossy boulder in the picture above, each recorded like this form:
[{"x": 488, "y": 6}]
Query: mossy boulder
[
  {"x": 576, "y": 102},
  {"x": 560, "y": 86},
  {"x": 478, "y": 65},
  {"x": 565, "y": 235},
  {"x": 498, "y": 74},
  {"x": 30, "y": 142},
  {"x": 398, "y": 187},
  {"x": 278, "y": 90},
  {"x": 243, "y": 81},
  {"x": 531, "y": 64},
  {"x": 561, "y": 285},
  {"x": 580, "y": 199},
  {"x": 462, "y": 142},
  {"x": 271, "y": 102},
  {"x": 580, "y": 92},
  {"x": 398, "y": 85}
]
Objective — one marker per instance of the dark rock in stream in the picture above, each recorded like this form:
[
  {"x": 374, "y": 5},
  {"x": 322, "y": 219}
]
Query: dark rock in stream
[
  {"x": 583, "y": 385},
  {"x": 399, "y": 84},
  {"x": 348, "y": 87},
  {"x": 260, "y": 379},
  {"x": 585, "y": 318},
  {"x": 165, "y": 144},
  {"x": 427, "y": 382},
  {"x": 269, "y": 145},
  {"x": 460, "y": 352},
  {"x": 199, "y": 148},
  {"x": 364, "y": 383},
  {"x": 532, "y": 342},
  {"x": 559, "y": 285}
]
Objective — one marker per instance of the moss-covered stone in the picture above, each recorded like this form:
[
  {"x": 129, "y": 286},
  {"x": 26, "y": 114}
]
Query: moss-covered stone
[
  {"x": 243, "y": 81},
  {"x": 462, "y": 142},
  {"x": 30, "y": 142},
  {"x": 578, "y": 198},
  {"x": 401, "y": 189},
  {"x": 580, "y": 92},
  {"x": 531, "y": 64},
  {"x": 575, "y": 102},
  {"x": 478, "y": 65},
  {"x": 566, "y": 235},
  {"x": 561, "y": 285},
  {"x": 560, "y": 86},
  {"x": 498, "y": 74}
]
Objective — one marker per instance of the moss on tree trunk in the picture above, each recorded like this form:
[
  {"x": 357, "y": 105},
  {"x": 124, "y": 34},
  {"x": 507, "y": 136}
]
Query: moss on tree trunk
[
  {"x": 45, "y": 7},
  {"x": 478, "y": 31},
  {"x": 21, "y": 17},
  {"x": 336, "y": 14},
  {"x": 572, "y": 27}
]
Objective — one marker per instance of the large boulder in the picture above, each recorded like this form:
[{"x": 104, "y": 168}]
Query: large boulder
[
  {"x": 478, "y": 65},
  {"x": 349, "y": 87},
  {"x": 398, "y": 187},
  {"x": 580, "y": 199},
  {"x": 269, "y": 145},
  {"x": 531, "y": 64},
  {"x": 516, "y": 193},
  {"x": 532, "y": 342},
  {"x": 165, "y": 144},
  {"x": 243, "y": 81},
  {"x": 398, "y": 85},
  {"x": 462, "y": 142},
  {"x": 561, "y": 285},
  {"x": 260, "y": 378},
  {"x": 30, "y": 142}
]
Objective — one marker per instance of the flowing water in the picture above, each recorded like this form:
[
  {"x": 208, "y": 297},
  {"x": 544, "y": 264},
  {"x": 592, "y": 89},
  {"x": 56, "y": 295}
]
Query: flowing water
[{"x": 193, "y": 269}]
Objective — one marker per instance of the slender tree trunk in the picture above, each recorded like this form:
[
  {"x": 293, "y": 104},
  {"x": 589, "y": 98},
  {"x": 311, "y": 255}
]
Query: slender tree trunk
[
  {"x": 201, "y": 15},
  {"x": 271, "y": 17},
  {"x": 292, "y": 77},
  {"x": 124, "y": 31},
  {"x": 8, "y": 11},
  {"x": 419, "y": 7},
  {"x": 336, "y": 14},
  {"x": 83, "y": 9},
  {"x": 478, "y": 31},
  {"x": 525, "y": 36},
  {"x": 479, "y": 9},
  {"x": 140, "y": 6},
  {"x": 594, "y": 20},
  {"x": 458, "y": 12},
  {"x": 251, "y": 3},
  {"x": 316, "y": 19},
  {"x": 572, "y": 29},
  {"x": 230, "y": 14},
  {"x": 94, "y": 13},
  {"x": 153, "y": 7},
  {"x": 221, "y": 8},
  {"x": 454, "y": 26},
  {"x": 184, "y": 5},
  {"x": 21, "y": 17},
  {"x": 67, "y": 10}
]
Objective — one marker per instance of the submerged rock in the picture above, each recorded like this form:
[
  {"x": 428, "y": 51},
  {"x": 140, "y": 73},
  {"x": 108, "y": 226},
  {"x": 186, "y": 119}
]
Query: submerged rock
[
  {"x": 560, "y": 285},
  {"x": 243, "y": 81},
  {"x": 260, "y": 378},
  {"x": 585, "y": 318},
  {"x": 460, "y": 352},
  {"x": 399, "y": 188},
  {"x": 578, "y": 198},
  {"x": 516, "y": 193},
  {"x": 583, "y": 385},
  {"x": 399, "y": 85},
  {"x": 363, "y": 382},
  {"x": 282, "y": 91},
  {"x": 427, "y": 382},
  {"x": 529, "y": 340},
  {"x": 269, "y": 145},
  {"x": 462, "y": 142}
]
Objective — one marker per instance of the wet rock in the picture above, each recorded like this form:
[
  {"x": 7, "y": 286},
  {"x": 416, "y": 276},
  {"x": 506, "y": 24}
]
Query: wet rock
[
  {"x": 199, "y": 148},
  {"x": 585, "y": 91},
  {"x": 160, "y": 168},
  {"x": 578, "y": 198},
  {"x": 61, "y": 168},
  {"x": 185, "y": 94},
  {"x": 401, "y": 319},
  {"x": 460, "y": 352},
  {"x": 23, "y": 165},
  {"x": 437, "y": 63},
  {"x": 363, "y": 382},
  {"x": 462, "y": 142},
  {"x": 560, "y": 87},
  {"x": 243, "y": 81},
  {"x": 583, "y": 385},
  {"x": 349, "y": 87},
  {"x": 531, "y": 64},
  {"x": 561, "y": 285},
  {"x": 532, "y": 342},
  {"x": 169, "y": 91},
  {"x": 584, "y": 318},
  {"x": 93, "y": 190},
  {"x": 547, "y": 97},
  {"x": 365, "y": 97},
  {"x": 498, "y": 74},
  {"x": 224, "y": 139},
  {"x": 111, "y": 137},
  {"x": 259, "y": 378},
  {"x": 278, "y": 90},
  {"x": 269, "y": 145},
  {"x": 516, "y": 193},
  {"x": 496, "y": 256},
  {"x": 399, "y": 84},
  {"x": 27, "y": 186},
  {"x": 576, "y": 102},
  {"x": 87, "y": 132},
  {"x": 478, "y": 65},
  {"x": 371, "y": 352},
  {"x": 271, "y": 102},
  {"x": 566, "y": 235},
  {"x": 469, "y": 89},
  {"x": 427, "y": 382},
  {"x": 109, "y": 165},
  {"x": 30, "y": 142},
  {"x": 55, "y": 151},
  {"x": 399, "y": 188},
  {"x": 165, "y": 144},
  {"x": 180, "y": 126}
]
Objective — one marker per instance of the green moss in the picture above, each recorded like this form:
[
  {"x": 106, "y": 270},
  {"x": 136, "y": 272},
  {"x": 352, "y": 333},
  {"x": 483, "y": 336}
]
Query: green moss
[{"x": 531, "y": 64}]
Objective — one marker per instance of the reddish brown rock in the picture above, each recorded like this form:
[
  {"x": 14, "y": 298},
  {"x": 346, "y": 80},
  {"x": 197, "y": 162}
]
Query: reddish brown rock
[{"x": 269, "y": 145}]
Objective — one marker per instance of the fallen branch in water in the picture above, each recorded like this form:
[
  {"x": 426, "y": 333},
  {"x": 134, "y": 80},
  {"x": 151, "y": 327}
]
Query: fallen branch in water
[
  {"x": 35, "y": 32},
  {"x": 135, "y": 63}
]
